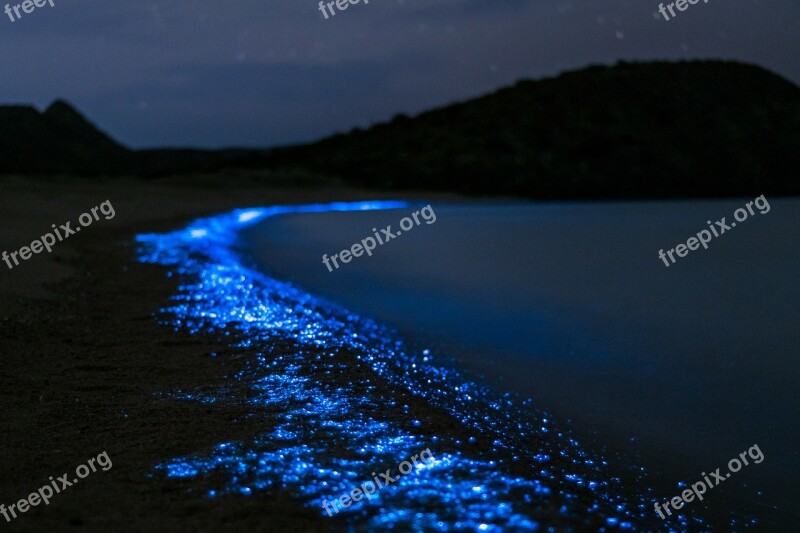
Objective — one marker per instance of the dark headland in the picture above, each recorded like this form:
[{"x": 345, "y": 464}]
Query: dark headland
[{"x": 634, "y": 130}]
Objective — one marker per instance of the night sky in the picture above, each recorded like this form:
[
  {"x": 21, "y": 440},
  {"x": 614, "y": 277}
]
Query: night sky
[{"x": 213, "y": 73}]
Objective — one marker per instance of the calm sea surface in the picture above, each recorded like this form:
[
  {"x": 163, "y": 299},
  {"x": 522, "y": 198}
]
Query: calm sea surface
[{"x": 569, "y": 304}]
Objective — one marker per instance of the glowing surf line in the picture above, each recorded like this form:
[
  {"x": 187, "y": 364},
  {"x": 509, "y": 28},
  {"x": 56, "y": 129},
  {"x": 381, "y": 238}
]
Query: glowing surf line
[{"x": 294, "y": 340}]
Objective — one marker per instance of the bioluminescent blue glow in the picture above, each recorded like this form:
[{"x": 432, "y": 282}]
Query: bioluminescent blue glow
[{"x": 341, "y": 397}]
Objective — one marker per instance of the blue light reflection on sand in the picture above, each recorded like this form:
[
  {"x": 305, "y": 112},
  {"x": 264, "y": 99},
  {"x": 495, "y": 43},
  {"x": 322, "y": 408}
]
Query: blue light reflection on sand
[{"x": 322, "y": 439}]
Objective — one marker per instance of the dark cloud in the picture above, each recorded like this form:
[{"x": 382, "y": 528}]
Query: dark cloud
[{"x": 265, "y": 72}]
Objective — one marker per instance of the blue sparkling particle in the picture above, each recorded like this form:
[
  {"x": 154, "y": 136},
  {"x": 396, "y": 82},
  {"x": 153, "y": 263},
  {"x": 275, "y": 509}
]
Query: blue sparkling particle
[{"x": 328, "y": 430}]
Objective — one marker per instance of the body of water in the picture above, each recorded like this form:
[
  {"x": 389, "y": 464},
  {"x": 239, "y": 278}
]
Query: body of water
[
  {"x": 570, "y": 305},
  {"x": 481, "y": 336}
]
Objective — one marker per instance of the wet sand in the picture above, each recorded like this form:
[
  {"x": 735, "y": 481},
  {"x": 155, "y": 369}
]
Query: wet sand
[{"x": 84, "y": 365}]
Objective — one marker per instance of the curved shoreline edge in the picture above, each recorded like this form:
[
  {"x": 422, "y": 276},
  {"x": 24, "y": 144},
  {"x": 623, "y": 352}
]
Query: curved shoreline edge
[{"x": 341, "y": 398}]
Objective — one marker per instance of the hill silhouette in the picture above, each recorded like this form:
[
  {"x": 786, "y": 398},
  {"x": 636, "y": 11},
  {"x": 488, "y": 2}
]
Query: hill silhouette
[
  {"x": 57, "y": 141},
  {"x": 657, "y": 129}
]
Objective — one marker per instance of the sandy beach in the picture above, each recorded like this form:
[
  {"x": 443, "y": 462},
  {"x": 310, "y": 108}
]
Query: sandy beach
[
  {"x": 88, "y": 369},
  {"x": 84, "y": 363}
]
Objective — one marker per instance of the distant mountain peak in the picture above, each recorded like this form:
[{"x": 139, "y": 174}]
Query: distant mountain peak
[
  {"x": 60, "y": 105},
  {"x": 58, "y": 140},
  {"x": 63, "y": 111}
]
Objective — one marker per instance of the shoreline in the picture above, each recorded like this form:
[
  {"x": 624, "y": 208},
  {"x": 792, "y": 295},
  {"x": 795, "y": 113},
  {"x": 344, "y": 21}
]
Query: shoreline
[
  {"x": 85, "y": 365},
  {"x": 286, "y": 249},
  {"x": 335, "y": 361},
  {"x": 100, "y": 376}
]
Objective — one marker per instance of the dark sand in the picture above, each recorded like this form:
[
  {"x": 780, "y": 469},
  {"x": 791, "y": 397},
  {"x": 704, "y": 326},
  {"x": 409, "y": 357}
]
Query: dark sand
[{"x": 83, "y": 363}]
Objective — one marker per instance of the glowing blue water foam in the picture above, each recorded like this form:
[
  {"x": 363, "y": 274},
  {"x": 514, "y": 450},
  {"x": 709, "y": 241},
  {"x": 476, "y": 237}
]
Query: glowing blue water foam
[{"x": 334, "y": 390}]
